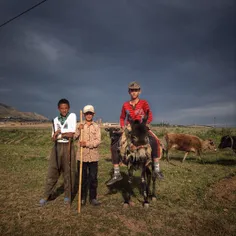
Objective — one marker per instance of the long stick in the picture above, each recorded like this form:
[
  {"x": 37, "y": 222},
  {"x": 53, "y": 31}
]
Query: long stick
[
  {"x": 81, "y": 164},
  {"x": 55, "y": 143},
  {"x": 69, "y": 160}
]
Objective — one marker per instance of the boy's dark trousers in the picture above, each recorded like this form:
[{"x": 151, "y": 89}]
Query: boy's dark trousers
[
  {"x": 89, "y": 179},
  {"x": 59, "y": 162}
]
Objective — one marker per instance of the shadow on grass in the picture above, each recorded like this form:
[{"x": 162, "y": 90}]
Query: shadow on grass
[
  {"x": 180, "y": 158},
  {"x": 124, "y": 188},
  {"x": 108, "y": 159},
  {"x": 36, "y": 158},
  {"x": 75, "y": 188},
  {"x": 60, "y": 190},
  {"x": 57, "y": 193},
  {"x": 121, "y": 187},
  {"x": 223, "y": 162},
  {"x": 175, "y": 158}
]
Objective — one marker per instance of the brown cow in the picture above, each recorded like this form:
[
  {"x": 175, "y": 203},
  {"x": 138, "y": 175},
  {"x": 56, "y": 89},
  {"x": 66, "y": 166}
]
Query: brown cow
[{"x": 187, "y": 143}]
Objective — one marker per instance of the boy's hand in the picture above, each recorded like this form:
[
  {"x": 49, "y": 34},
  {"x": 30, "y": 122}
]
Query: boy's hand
[
  {"x": 81, "y": 126},
  {"x": 82, "y": 143},
  {"x": 56, "y": 134}
]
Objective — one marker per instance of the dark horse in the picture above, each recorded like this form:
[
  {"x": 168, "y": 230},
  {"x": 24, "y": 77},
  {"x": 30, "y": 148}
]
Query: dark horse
[{"x": 137, "y": 156}]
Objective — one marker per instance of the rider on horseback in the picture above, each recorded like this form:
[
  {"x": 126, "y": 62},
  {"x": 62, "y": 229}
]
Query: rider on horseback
[{"x": 134, "y": 109}]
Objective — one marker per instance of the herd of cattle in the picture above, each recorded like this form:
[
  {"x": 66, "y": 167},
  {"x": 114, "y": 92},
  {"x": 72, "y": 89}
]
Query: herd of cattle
[{"x": 190, "y": 143}]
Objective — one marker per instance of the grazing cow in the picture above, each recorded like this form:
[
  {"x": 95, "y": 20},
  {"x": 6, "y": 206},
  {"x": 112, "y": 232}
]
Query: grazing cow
[
  {"x": 138, "y": 156},
  {"x": 187, "y": 143},
  {"x": 228, "y": 141}
]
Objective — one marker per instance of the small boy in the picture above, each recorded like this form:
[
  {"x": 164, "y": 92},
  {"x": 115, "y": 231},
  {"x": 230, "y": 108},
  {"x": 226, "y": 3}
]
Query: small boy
[
  {"x": 91, "y": 140},
  {"x": 62, "y": 158}
]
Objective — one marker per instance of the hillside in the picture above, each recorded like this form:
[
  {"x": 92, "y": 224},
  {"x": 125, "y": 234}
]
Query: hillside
[{"x": 10, "y": 113}]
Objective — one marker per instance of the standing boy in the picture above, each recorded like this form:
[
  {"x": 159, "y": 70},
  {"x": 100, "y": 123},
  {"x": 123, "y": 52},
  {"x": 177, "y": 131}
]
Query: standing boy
[
  {"x": 134, "y": 109},
  {"x": 91, "y": 140},
  {"x": 62, "y": 158}
]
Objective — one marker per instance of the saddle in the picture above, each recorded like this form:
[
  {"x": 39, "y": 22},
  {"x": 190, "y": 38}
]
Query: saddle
[{"x": 131, "y": 154}]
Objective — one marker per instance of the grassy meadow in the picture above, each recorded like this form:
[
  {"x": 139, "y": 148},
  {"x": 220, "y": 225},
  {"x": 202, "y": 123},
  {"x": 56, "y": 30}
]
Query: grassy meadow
[{"x": 193, "y": 199}]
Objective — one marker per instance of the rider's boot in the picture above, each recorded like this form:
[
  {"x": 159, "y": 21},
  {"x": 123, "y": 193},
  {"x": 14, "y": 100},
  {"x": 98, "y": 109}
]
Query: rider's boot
[
  {"x": 116, "y": 176},
  {"x": 157, "y": 171}
]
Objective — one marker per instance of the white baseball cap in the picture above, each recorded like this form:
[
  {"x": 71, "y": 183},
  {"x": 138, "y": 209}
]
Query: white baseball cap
[{"x": 88, "y": 108}]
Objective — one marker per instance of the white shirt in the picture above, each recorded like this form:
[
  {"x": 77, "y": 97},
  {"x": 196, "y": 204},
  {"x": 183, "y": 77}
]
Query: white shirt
[{"x": 68, "y": 126}]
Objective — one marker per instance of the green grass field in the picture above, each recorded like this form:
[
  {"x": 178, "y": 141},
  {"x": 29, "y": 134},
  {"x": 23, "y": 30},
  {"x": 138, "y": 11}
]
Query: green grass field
[{"x": 193, "y": 199}]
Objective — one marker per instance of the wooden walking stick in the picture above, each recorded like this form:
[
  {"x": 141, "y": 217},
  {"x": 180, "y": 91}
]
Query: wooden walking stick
[
  {"x": 55, "y": 143},
  {"x": 69, "y": 160},
  {"x": 81, "y": 164}
]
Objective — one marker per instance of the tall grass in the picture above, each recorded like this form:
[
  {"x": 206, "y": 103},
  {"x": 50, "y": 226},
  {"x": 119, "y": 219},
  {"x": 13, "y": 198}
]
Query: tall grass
[{"x": 193, "y": 199}]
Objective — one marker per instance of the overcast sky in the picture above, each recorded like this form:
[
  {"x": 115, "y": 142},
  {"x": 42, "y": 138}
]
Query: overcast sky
[{"x": 182, "y": 52}]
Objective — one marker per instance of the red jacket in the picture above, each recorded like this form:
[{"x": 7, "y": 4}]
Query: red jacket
[{"x": 136, "y": 113}]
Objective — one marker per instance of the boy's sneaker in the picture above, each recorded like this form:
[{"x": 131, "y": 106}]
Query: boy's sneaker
[
  {"x": 42, "y": 202},
  {"x": 66, "y": 200},
  {"x": 115, "y": 178},
  {"x": 95, "y": 202}
]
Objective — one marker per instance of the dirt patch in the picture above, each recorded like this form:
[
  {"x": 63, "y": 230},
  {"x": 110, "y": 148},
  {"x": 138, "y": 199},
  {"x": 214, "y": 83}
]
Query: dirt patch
[
  {"x": 133, "y": 225},
  {"x": 225, "y": 190}
]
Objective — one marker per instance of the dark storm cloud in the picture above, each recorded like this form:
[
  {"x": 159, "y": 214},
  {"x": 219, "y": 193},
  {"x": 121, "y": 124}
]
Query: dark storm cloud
[{"x": 182, "y": 53}]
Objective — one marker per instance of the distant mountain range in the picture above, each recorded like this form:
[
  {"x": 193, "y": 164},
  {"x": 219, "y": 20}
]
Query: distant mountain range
[{"x": 10, "y": 113}]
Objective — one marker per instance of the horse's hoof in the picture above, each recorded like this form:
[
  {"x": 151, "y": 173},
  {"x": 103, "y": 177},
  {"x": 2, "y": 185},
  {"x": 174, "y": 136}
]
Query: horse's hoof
[
  {"x": 125, "y": 205},
  {"x": 146, "y": 205},
  {"x": 154, "y": 199}
]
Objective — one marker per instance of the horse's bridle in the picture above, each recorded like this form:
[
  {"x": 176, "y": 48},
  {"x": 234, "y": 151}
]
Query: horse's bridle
[{"x": 133, "y": 147}]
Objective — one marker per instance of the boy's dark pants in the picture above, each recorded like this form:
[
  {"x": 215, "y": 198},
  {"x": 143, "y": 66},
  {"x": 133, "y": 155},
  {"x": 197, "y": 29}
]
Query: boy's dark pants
[
  {"x": 59, "y": 162},
  {"x": 89, "y": 179}
]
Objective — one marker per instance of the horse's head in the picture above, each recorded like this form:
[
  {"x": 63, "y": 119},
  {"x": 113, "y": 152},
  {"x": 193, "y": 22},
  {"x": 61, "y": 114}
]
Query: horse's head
[
  {"x": 140, "y": 148},
  {"x": 139, "y": 132}
]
